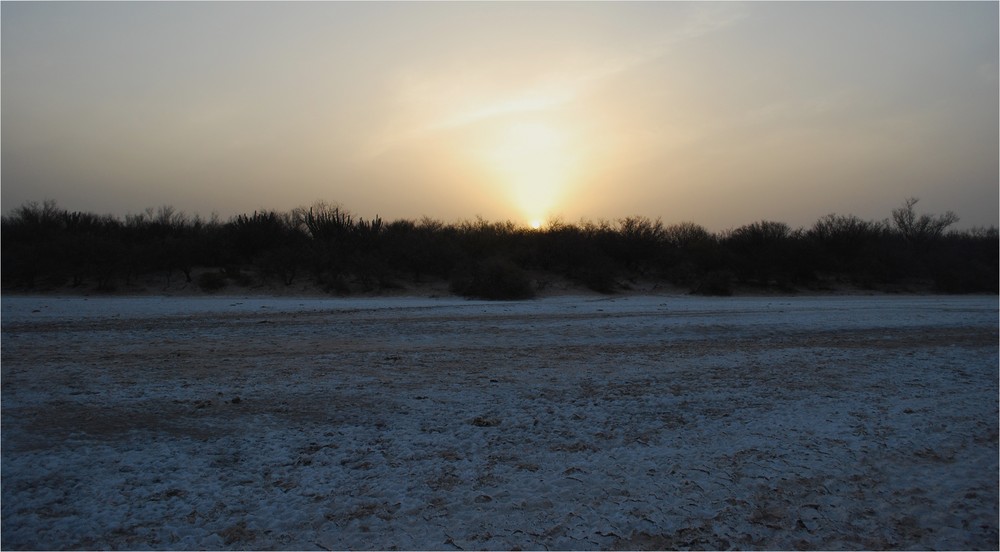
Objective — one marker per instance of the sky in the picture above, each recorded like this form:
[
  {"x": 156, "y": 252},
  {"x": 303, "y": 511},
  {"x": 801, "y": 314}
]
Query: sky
[{"x": 721, "y": 114}]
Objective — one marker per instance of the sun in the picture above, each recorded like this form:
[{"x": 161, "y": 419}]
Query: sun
[{"x": 533, "y": 162}]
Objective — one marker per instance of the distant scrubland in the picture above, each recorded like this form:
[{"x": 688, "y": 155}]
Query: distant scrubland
[{"x": 46, "y": 248}]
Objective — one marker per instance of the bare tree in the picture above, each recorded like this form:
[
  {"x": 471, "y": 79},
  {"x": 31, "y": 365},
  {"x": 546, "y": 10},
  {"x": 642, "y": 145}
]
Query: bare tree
[{"x": 920, "y": 228}]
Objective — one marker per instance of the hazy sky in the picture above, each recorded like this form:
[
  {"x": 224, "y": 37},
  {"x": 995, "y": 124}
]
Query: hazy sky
[{"x": 717, "y": 113}]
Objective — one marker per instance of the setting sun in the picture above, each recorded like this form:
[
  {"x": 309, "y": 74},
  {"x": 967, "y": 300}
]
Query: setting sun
[{"x": 533, "y": 162}]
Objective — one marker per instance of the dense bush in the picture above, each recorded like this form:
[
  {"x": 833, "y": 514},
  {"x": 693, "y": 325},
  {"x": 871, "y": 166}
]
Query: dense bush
[
  {"x": 212, "y": 281},
  {"x": 45, "y": 247},
  {"x": 717, "y": 282},
  {"x": 494, "y": 278}
]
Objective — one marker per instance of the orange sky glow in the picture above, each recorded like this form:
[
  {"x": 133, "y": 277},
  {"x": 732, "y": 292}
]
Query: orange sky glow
[{"x": 717, "y": 113}]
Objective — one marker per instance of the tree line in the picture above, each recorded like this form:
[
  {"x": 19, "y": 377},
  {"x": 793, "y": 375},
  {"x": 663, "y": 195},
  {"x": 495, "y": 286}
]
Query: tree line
[{"x": 45, "y": 247}]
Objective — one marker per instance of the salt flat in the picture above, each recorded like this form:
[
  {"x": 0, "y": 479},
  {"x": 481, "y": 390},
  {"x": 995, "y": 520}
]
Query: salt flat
[{"x": 561, "y": 423}]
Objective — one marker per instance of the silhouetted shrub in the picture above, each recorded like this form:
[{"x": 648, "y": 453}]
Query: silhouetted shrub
[
  {"x": 597, "y": 273},
  {"x": 211, "y": 281},
  {"x": 235, "y": 273},
  {"x": 717, "y": 282},
  {"x": 920, "y": 228},
  {"x": 494, "y": 279},
  {"x": 638, "y": 244},
  {"x": 849, "y": 248},
  {"x": 334, "y": 283},
  {"x": 282, "y": 263},
  {"x": 966, "y": 262},
  {"x": 45, "y": 247}
]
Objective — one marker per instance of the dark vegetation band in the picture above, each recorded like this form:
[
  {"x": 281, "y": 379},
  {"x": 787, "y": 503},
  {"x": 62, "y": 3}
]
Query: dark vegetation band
[{"x": 47, "y": 248}]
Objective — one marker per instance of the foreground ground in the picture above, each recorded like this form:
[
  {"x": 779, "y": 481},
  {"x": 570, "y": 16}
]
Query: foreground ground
[{"x": 568, "y": 422}]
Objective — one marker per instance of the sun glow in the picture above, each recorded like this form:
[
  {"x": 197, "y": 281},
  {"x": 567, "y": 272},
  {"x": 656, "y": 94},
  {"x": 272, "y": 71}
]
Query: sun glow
[{"x": 534, "y": 162}]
